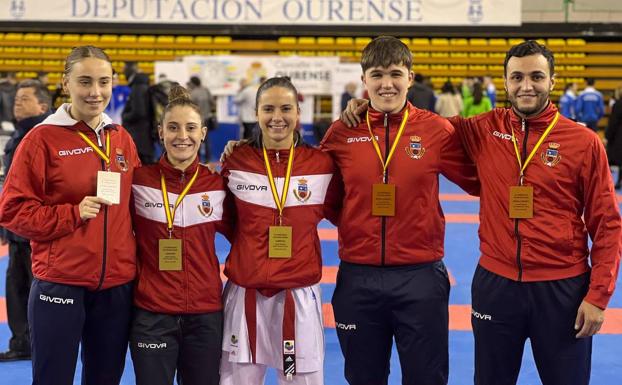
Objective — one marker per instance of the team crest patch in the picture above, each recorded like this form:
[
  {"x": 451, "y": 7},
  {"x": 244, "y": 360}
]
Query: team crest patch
[
  {"x": 302, "y": 192},
  {"x": 415, "y": 150},
  {"x": 288, "y": 347},
  {"x": 206, "y": 209},
  {"x": 550, "y": 156},
  {"x": 120, "y": 159}
]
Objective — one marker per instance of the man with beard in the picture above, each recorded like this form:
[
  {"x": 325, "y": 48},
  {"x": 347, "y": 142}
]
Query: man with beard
[{"x": 545, "y": 186}]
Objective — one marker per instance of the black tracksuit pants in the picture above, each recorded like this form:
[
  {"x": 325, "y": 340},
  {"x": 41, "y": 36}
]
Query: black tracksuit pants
[
  {"x": 373, "y": 305},
  {"x": 189, "y": 344},
  {"x": 505, "y": 313},
  {"x": 63, "y": 317},
  {"x": 18, "y": 281}
]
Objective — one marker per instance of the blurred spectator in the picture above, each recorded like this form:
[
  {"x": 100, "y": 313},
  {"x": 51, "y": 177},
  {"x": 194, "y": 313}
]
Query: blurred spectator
[
  {"x": 449, "y": 102},
  {"x": 207, "y": 104},
  {"x": 491, "y": 90},
  {"x": 120, "y": 94},
  {"x": 477, "y": 103},
  {"x": 245, "y": 100},
  {"x": 8, "y": 87},
  {"x": 32, "y": 106},
  {"x": 568, "y": 100},
  {"x": 348, "y": 93},
  {"x": 613, "y": 134},
  {"x": 421, "y": 95},
  {"x": 137, "y": 116},
  {"x": 590, "y": 105}
]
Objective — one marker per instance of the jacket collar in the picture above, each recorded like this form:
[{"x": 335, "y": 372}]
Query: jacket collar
[
  {"x": 62, "y": 118},
  {"x": 376, "y": 118},
  {"x": 171, "y": 172},
  {"x": 539, "y": 122},
  {"x": 30, "y": 122}
]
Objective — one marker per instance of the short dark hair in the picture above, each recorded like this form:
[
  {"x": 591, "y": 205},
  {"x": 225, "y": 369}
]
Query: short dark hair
[
  {"x": 590, "y": 81},
  {"x": 528, "y": 48},
  {"x": 419, "y": 78},
  {"x": 41, "y": 92},
  {"x": 195, "y": 81},
  {"x": 384, "y": 51}
]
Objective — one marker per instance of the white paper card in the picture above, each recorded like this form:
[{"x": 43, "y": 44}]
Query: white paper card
[{"x": 109, "y": 186}]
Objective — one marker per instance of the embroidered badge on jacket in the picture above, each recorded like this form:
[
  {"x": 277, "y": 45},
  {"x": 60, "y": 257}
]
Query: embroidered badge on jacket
[
  {"x": 415, "y": 150},
  {"x": 120, "y": 160},
  {"x": 551, "y": 156},
  {"x": 205, "y": 207},
  {"x": 302, "y": 193}
]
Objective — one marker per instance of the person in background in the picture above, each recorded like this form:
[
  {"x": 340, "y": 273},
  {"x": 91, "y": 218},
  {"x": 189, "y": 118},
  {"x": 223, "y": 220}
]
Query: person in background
[
  {"x": 32, "y": 106},
  {"x": 449, "y": 102},
  {"x": 245, "y": 100},
  {"x": 8, "y": 88},
  {"x": 178, "y": 304},
  {"x": 613, "y": 135},
  {"x": 568, "y": 101},
  {"x": 348, "y": 93},
  {"x": 137, "y": 114},
  {"x": 120, "y": 94},
  {"x": 590, "y": 105},
  {"x": 477, "y": 103},
  {"x": 83, "y": 247},
  {"x": 420, "y": 94},
  {"x": 490, "y": 89},
  {"x": 204, "y": 99}
]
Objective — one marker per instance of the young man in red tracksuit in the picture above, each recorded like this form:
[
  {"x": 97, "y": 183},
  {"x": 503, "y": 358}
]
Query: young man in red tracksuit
[
  {"x": 392, "y": 282},
  {"x": 545, "y": 186}
]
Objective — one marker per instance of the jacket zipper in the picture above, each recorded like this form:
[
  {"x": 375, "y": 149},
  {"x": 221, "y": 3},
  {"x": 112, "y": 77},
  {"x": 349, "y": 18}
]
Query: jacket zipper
[
  {"x": 519, "y": 240},
  {"x": 383, "y": 219},
  {"x": 105, "y": 247}
]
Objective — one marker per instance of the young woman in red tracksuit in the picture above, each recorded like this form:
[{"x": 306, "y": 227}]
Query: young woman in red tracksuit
[
  {"x": 83, "y": 249},
  {"x": 177, "y": 206},
  {"x": 282, "y": 189}
]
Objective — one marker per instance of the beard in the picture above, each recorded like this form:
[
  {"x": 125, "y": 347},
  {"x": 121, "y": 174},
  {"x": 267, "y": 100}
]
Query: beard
[{"x": 531, "y": 109}]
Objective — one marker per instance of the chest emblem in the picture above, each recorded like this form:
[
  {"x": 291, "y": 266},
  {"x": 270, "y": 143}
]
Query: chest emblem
[
  {"x": 302, "y": 192},
  {"x": 119, "y": 158},
  {"x": 415, "y": 149},
  {"x": 551, "y": 156},
  {"x": 205, "y": 208}
]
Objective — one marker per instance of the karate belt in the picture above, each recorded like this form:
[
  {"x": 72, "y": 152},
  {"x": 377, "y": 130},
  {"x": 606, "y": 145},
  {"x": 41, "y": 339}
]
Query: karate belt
[{"x": 289, "y": 328}]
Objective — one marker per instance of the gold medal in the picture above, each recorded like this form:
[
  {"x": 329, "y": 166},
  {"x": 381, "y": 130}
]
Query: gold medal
[
  {"x": 280, "y": 237},
  {"x": 169, "y": 254},
  {"x": 383, "y": 200},
  {"x": 521, "y": 197},
  {"x": 521, "y": 202},
  {"x": 280, "y": 242}
]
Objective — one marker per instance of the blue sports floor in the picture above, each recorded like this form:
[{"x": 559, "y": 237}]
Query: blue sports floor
[{"x": 461, "y": 247}]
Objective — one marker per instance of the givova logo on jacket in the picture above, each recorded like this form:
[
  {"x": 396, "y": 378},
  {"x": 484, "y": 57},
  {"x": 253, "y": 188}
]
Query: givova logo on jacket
[
  {"x": 415, "y": 149},
  {"x": 550, "y": 156}
]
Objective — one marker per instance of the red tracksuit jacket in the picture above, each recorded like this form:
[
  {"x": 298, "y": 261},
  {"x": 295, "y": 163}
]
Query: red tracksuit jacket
[
  {"x": 197, "y": 287},
  {"x": 313, "y": 194},
  {"x": 53, "y": 170},
  {"x": 428, "y": 147},
  {"x": 573, "y": 197}
]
